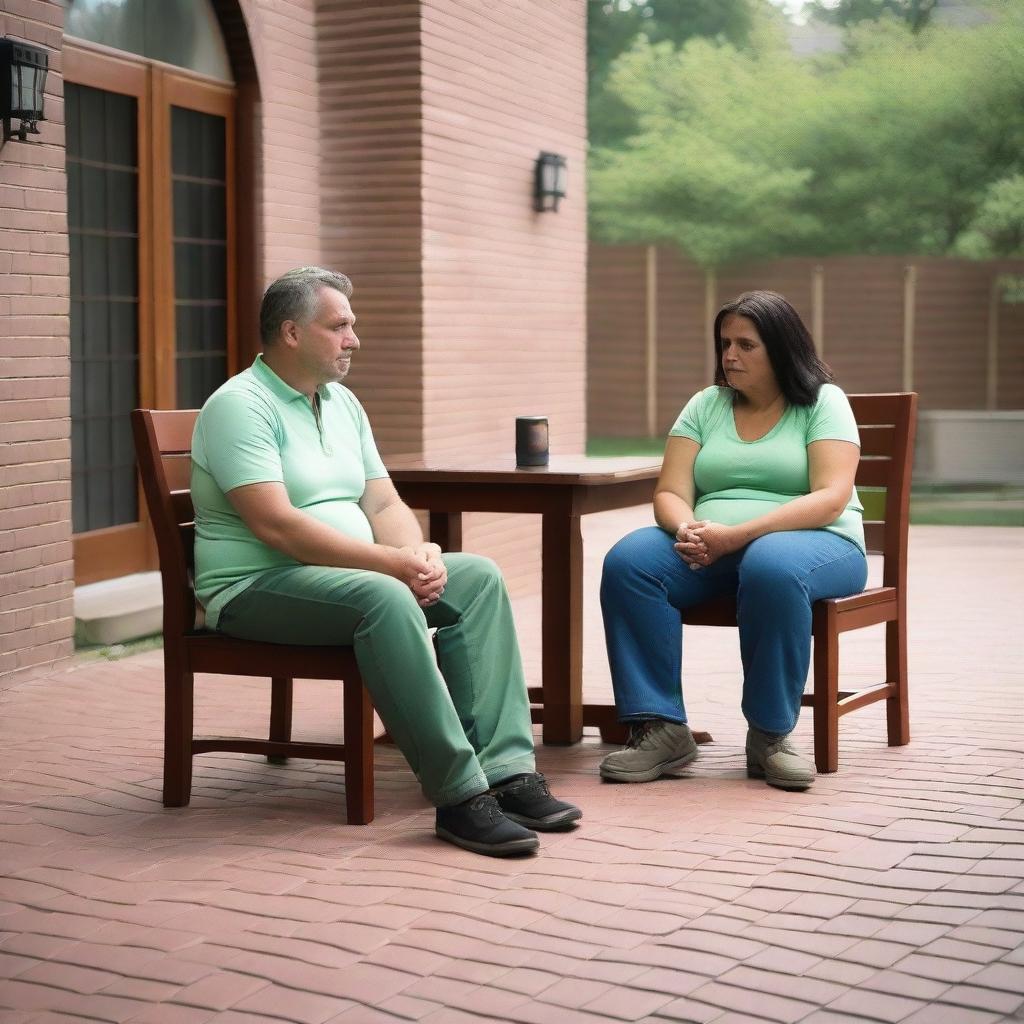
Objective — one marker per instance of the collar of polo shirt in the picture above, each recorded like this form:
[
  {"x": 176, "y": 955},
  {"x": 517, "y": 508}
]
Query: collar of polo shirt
[{"x": 281, "y": 388}]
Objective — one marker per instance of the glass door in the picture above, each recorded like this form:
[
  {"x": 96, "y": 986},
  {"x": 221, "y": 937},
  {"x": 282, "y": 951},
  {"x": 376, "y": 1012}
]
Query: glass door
[{"x": 150, "y": 163}]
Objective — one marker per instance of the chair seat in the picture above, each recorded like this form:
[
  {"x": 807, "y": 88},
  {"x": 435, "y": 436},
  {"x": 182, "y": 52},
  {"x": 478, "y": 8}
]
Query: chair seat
[
  {"x": 215, "y": 652},
  {"x": 722, "y": 610},
  {"x": 865, "y": 599},
  {"x": 869, "y": 608}
]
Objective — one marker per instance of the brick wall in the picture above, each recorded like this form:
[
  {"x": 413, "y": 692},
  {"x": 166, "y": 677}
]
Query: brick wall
[
  {"x": 471, "y": 306},
  {"x": 504, "y": 287},
  {"x": 370, "y": 220},
  {"x": 280, "y": 133},
  {"x": 36, "y": 621}
]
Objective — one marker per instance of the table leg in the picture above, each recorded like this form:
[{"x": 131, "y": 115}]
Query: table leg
[
  {"x": 446, "y": 530},
  {"x": 562, "y": 628}
]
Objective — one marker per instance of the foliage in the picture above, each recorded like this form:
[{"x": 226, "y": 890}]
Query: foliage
[
  {"x": 899, "y": 144},
  {"x": 916, "y": 13},
  {"x": 614, "y": 25},
  {"x": 997, "y": 228}
]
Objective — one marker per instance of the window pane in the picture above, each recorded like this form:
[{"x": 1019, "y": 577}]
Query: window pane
[
  {"x": 200, "y": 253},
  {"x": 103, "y": 228},
  {"x": 185, "y": 33}
]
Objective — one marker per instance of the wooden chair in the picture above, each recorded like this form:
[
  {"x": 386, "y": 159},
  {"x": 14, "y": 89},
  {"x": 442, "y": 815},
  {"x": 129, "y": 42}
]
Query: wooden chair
[
  {"x": 887, "y": 425},
  {"x": 163, "y": 444}
]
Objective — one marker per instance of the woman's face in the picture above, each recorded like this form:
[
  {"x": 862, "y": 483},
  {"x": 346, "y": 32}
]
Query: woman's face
[{"x": 745, "y": 360}]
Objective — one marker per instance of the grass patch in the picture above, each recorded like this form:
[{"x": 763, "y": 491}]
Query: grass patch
[
  {"x": 114, "y": 652},
  {"x": 616, "y": 447}
]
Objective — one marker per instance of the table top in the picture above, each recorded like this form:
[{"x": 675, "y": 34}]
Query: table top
[{"x": 562, "y": 470}]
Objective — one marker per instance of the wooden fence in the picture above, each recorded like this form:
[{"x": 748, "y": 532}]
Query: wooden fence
[{"x": 883, "y": 323}]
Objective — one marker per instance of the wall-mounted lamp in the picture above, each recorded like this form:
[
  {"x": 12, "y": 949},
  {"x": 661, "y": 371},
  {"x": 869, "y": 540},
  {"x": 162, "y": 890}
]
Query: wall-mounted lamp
[
  {"x": 549, "y": 175},
  {"x": 23, "y": 70}
]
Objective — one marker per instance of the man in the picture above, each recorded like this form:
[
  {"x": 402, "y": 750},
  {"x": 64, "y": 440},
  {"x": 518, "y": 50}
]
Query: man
[{"x": 301, "y": 538}]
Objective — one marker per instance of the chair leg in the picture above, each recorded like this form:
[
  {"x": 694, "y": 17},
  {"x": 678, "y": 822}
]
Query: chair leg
[
  {"x": 178, "y": 688},
  {"x": 358, "y": 752},
  {"x": 897, "y": 708},
  {"x": 280, "y": 714},
  {"x": 826, "y": 690},
  {"x": 615, "y": 733}
]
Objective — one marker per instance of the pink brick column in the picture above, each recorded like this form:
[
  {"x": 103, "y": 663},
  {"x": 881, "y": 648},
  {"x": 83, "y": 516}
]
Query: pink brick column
[{"x": 36, "y": 623}]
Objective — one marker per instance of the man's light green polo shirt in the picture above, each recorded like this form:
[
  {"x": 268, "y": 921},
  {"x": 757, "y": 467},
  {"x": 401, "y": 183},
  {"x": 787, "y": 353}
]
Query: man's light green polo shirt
[
  {"x": 255, "y": 428},
  {"x": 736, "y": 481}
]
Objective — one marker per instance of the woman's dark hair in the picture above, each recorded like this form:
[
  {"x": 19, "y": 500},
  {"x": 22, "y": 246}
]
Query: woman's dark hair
[{"x": 798, "y": 369}]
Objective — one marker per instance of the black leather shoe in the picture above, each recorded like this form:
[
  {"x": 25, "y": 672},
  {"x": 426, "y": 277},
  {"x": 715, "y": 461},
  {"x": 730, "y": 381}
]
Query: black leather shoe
[
  {"x": 478, "y": 824},
  {"x": 527, "y": 800}
]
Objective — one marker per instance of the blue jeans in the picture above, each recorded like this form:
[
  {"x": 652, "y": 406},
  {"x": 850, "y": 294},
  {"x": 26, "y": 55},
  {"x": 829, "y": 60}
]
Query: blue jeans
[{"x": 775, "y": 579}]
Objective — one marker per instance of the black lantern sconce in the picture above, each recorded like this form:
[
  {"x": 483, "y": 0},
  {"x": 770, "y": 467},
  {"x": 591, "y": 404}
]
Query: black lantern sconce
[
  {"x": 23, "y": 70},
  {"x": 549, "y": 175}
]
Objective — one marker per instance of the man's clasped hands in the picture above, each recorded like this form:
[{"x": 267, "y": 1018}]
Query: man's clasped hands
[{"x": 424, "y": 572}]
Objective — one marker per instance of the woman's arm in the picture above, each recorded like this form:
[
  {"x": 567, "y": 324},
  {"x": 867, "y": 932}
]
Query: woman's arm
[
  {"x": 832, "y": 467},
  {"x": 674, "y": 495}
]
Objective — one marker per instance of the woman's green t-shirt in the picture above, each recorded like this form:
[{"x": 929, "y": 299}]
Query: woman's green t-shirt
[{"x": 736, "y": 481}]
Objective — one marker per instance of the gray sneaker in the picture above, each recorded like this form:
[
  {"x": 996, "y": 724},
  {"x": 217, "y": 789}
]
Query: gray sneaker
[
  {"x": 773, "y": 759},
  {"x": 654, "y": 748}
]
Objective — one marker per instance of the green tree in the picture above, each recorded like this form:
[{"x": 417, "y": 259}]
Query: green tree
[
  {"x": 614, "y": 25},
  {"x": 753, "y": 153},
  {"x": 701, "y": 171},
  {"x": 997, "y": 228},
  {"x": 916, "y": 13}
]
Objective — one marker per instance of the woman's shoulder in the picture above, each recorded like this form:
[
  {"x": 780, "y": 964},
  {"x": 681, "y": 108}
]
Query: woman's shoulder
[
  {"x": 829, "y": 397},
  {"x": 830, "y": 416},
  {"x": 831, "y": 394},
  {"x": 702, "y": 413},
  {"x": 713, "y": 397}
]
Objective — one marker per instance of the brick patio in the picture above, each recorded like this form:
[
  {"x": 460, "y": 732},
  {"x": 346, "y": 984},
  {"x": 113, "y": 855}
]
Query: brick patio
[{"x": 892, "y": 891}]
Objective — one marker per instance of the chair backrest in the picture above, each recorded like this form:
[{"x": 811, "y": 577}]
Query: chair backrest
[
  {"x": 887, "y": 425},
  {"x": 163, "y": 447}
]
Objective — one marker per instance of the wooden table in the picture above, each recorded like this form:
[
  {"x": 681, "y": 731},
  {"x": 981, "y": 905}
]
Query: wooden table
[{"x": 561, "y": 493}]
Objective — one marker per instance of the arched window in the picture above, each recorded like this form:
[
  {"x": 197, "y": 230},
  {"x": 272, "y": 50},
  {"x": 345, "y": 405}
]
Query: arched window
[
  {"x": 184, "y": 33},
  {"x": 150, "y": 122}
]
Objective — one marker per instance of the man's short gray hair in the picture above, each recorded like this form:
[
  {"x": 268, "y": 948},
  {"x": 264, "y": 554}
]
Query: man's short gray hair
[{"x": 295, "y": 296}]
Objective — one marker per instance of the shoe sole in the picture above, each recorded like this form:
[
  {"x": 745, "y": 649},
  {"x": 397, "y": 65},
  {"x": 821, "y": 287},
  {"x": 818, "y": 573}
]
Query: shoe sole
[
  {"x": 665, "y": 768},
  {"x": 511, "y": 848},
  {"x": 756, "y": 772},
  {"x": 552, "y": 823}
]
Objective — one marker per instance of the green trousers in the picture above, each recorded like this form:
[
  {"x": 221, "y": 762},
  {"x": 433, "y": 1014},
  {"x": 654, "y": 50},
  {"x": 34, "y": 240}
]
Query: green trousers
[{"x": 462, "y": 719}]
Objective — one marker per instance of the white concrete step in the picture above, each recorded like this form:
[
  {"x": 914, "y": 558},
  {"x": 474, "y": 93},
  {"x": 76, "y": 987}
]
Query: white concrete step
[{"x": 115, "y": 611}]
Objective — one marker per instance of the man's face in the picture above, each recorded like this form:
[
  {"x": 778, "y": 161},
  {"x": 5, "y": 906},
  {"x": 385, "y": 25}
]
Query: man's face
[{"x": 325, "y": 345}]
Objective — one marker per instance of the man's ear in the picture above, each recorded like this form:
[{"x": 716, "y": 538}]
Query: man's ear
[{"x": 290, "y": 333}]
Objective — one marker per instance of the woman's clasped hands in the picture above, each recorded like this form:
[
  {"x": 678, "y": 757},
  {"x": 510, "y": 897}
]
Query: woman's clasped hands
[{"x": 703, "y": 542}]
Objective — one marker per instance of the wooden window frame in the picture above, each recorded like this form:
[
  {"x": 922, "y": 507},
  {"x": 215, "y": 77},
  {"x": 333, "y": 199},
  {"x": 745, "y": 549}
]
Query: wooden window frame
[
  {"x": 129, "y": 547},
  {"x": 171, "y": 89}
]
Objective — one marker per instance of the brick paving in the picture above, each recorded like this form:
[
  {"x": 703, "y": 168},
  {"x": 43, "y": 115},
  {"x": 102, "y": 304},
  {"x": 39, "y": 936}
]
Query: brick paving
[{"x": 892, "y": 891}]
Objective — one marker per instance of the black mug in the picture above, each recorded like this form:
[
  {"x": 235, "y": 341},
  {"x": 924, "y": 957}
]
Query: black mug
[{"x": 531, "y": 440}]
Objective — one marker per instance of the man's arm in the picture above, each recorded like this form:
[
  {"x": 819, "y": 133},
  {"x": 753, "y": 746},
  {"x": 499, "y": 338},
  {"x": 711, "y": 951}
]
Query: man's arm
[
  {"x": 394, "y": 523},
  {"x": 391, "y": 519},
  {"x": 269, "y": 514}
]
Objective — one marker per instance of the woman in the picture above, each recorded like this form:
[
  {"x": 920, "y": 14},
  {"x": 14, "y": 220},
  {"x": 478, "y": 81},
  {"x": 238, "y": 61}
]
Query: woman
[{"x": 756, "y": 499}]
